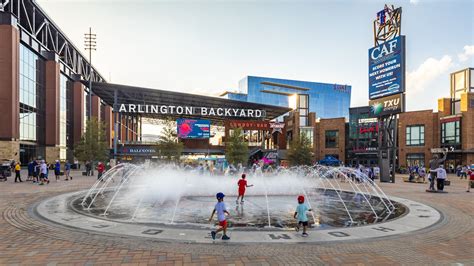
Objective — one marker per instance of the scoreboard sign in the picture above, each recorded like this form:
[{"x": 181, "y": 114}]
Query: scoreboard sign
[{"x": 387, "y": 68}]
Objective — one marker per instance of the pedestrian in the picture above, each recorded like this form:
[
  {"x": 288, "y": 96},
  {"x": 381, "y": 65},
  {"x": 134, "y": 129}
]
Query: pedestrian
[
  {"x": 221, "y": 210},
  {"x": 67, "y": 170},
  {"x": 470, "y": 182},
  {"x": 434, "y": 165},
  {"x": 43, "y": 173},
  {"x": 57, "y": 170},
  {"x": 464, "y": 171},
  {"x": 422, "y": 173},
  {"x": 242, "y": 185},
  {"x": 441, "y": 178},
  {"x": 17, "y": 172},
  {"x": 100, "y": 170},
  {"x": 31, "y": 169},
  {"x": 301, "y": 216},
  {"x": 36, "y": 171}
]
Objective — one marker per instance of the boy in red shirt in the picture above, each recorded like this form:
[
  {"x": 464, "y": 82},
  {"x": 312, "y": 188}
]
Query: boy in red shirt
[{"x": 242, "y": 185}]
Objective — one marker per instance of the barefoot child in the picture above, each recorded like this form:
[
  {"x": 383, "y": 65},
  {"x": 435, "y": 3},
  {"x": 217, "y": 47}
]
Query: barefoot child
[
  {"x": 242, "y": 185},
  {"x": 221, "y": 210},
  {"x": 300, "y": 215}
]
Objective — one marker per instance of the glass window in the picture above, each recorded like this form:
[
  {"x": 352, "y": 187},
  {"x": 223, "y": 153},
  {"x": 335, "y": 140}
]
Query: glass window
[
  {"x": 332, "y": 140},
  {"x": 308, "y": 131},
  {"x": 415, "y": 135},
  {"x": 415, "y": 159},
  {"x": 451, "y": 133},
  {"x": 459, "y": 80}
]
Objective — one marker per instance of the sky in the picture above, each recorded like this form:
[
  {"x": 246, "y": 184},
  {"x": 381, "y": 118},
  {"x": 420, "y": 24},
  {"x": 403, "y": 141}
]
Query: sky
[{"x": 206, "y": 47}]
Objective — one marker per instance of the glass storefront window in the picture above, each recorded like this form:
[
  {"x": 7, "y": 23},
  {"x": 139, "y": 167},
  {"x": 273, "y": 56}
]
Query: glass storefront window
[
  {"x": 459, "y": 80},
  {"x": 415, "y": 135},
  {"x": 332, "y": 138},
  {"x": 415, "y": 159}
]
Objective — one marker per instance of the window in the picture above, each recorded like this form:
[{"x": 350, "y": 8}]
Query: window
[
  {"x": 451, "y": 133},
  {"x": 415, "y": 159},
  {"x": 303, "y": 109},
  {"x": 308, "y": 131},
  {"x": 415, "y": 135},
  {"x": 332, "y": 139}
]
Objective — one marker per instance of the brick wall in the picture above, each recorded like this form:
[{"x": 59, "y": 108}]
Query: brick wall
[{"x": 324, "y": 125}]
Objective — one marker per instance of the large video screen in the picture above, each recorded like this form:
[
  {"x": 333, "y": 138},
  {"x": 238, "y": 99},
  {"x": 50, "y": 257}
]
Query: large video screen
[{"x": 193, "y": 129}]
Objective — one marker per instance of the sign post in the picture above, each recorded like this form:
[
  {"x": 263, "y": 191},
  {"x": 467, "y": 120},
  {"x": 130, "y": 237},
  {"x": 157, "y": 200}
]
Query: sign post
[{"x": 387, "y": 85}]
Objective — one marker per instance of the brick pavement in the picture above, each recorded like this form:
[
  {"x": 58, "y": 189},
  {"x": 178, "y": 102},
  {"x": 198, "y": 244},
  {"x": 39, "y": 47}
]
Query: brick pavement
[{"x": 26, "y": 241}]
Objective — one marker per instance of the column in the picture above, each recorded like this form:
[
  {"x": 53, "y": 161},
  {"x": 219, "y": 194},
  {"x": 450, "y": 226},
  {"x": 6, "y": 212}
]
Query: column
[
  {"x": 78, "y": 109},
  {"x": 109, "y": 125},
  {"x": 52, "y": 77},
  {"x": 9, "y": 87},
  {"x": 96, "y": 107}
]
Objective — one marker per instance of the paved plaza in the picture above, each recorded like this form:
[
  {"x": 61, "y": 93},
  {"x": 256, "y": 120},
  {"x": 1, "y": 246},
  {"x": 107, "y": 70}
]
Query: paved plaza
[{"x": 26, "y": 240}]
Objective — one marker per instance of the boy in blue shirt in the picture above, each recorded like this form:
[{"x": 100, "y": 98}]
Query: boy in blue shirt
[
  {"x": 221, "y": 210},
  {"x": 300, "y": 215}
]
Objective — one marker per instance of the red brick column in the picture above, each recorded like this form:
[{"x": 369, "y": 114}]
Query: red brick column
[
  {"x": 96, "y": 107},
  {"x": 9, "y": 79},
  {"x": 78, "y": 110},
  {"x": 52, "y": 102}
]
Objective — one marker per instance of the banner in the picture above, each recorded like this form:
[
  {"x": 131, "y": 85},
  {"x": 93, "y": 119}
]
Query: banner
[
  {"x": 387, "y": 68},
  {"x": 389, "y": 105}
]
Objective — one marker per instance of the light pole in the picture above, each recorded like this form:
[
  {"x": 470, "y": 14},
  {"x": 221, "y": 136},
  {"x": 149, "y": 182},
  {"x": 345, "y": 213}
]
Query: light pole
[{"x": 90, "y": 43}]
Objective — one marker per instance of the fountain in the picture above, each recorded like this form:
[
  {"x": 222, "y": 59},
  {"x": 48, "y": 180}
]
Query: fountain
[{"x": 170, "y": 195}]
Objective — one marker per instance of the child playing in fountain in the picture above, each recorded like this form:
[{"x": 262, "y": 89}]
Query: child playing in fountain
[
  {"x": 300, "y": 215},
  {"x": 221, "y": 210},
  {"x": 242, "y": 185}
]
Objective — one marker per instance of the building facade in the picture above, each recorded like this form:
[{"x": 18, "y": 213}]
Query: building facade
[
  {"x": 326, "y": 100},
  {"x": 42, "y": 93}
]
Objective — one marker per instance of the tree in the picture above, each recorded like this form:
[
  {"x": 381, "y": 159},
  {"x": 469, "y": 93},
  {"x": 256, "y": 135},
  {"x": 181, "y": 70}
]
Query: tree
[
  {"x": 300, "y": 151},
  {"x": 168, "y": 143},
  {"x": 93, "y": 145},
  {"x": 236, "y": 148}
]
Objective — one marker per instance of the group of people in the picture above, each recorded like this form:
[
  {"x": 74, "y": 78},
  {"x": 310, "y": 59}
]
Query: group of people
[
  {"x": 38, "y": 171},
  {"x": 222, "y": 211}
]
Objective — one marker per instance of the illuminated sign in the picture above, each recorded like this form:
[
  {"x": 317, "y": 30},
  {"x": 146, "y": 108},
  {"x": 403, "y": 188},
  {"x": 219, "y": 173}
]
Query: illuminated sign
[
  {"x": 189, "y": 110},
  {"x": 387, "y": 68},
  {"x": 193, "y": 129},
  {"x": 370, "y": 129},
  {"x": 388, "y": 105}
]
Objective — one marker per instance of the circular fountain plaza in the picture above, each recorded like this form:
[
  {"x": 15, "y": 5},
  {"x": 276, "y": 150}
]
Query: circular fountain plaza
[{"x": 174, "y": 204}]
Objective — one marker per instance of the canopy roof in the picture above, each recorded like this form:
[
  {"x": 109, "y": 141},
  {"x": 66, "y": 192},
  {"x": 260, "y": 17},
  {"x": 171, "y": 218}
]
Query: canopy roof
[{"x": 147, "y": 96}]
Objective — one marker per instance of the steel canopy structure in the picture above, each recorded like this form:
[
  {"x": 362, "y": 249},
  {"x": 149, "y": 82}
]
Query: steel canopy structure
[{"x": 114, "y": 94}]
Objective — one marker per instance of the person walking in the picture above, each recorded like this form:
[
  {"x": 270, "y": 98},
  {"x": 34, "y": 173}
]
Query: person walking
[
  {"x": 57, "y": 170},
  {"x": 470, "y": 181},
  {"x": 17, "y": 172},
  {"x": 31, "y": 170},
  {"x": 100, "y": 170},
  {"x": 67, "y": 170},
  {"x": 221, "y": 210}
]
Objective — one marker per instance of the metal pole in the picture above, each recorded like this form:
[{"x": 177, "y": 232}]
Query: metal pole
[
  {"x": 115, "y": 124},
  {"x": 90, "y": 77},
  {"x": 395, "y": 146}
]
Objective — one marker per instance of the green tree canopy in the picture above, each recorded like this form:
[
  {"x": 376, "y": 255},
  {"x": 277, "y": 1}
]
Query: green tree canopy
[
  {"x": 93, "y": 145},
  {"x": 300, "y": 151},
  {"x": 236, "y": 148},
  {"x": 170, "y": 147}
]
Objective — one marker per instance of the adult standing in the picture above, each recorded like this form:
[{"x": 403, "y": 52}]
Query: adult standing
[
  {"x": 470, "y": 181},
  {"x": 441, "y": 178},
  {"x": 43, "y": 172},
  {"x": 31, "y": 169},
  {"x": 17, "y": 172},
  {"x": 57, "y": 170},
  {"x": 434, "y": 165},
  {"x": 67, "y": 170}
]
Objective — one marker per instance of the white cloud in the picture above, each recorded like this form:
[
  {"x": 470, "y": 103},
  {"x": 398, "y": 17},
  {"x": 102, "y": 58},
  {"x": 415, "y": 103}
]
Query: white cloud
[
  {"x": 415, "y": 2},
  {"x": 468, "y": 52},
  {"x": 428, "y": 71}
]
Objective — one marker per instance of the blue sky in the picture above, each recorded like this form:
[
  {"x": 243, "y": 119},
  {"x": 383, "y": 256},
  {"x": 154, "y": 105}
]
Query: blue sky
[{"x": 206, "y": 47}]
